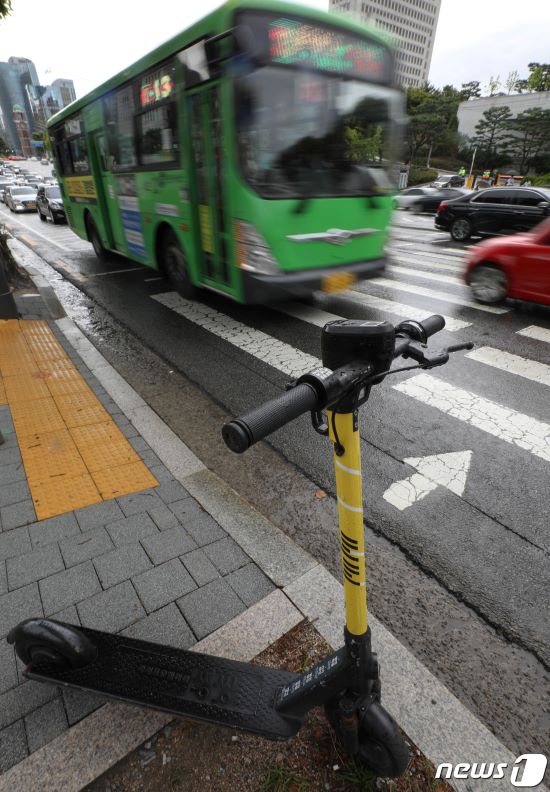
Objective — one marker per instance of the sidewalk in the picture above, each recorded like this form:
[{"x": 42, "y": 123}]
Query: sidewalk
[{"x": 108, "y": 520}]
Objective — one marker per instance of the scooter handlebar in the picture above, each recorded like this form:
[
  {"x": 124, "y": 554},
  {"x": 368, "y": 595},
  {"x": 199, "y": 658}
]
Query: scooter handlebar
[{"x": 240, "y": 433}]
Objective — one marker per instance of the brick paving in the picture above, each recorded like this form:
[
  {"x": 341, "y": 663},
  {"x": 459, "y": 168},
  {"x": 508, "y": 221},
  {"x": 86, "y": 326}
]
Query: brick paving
[{"x": 152, "y": 565}]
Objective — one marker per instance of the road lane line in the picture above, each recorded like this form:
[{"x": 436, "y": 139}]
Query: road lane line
[
  {"x": 270, "y": 350},
  {"x": 436, "y": 266},
  {"x": 426, "y": 275},
  {"x": 513, "y": 364},
  {"x": 435, "y": 295},
  {"x": 538, "y": 333},
  {"x": 115, "y": 272},
  {"x": 503, "y": 422},
  {"x": 402, "y": 310},
  {"x": 38, "y": 233}
]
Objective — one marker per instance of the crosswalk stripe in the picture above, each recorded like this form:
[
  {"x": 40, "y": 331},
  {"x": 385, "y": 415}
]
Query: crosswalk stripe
[
  {"x": 509, "y": 425},
  {"x": 282, "y": 356},
  {"x": 435, "y": 266},
  {"x": 400, "y": 309},
  {"x": 433, "y": 276},
  {"x": 319, "y": 318},
  {"x": 514, "y": 364},
  {"x": 436, "y": 295},
  {"x": 538, "y": 333},
  {"x": 421, "y": 254}
]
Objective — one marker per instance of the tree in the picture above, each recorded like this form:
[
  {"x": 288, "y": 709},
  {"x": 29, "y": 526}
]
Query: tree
[
  {"x": 530, "y": 138},
  {"x": 5, "y": 8},
  {"x": 432, "y": 119},
  {"x": 538, "y": 80},
  {"x": 493, "y": 84},
  {"x": 511, "y": 81},
  {"x": 470, "y": 90},
  {"x": 4, "y": 148},
  {"x": 492, "y": 135}
]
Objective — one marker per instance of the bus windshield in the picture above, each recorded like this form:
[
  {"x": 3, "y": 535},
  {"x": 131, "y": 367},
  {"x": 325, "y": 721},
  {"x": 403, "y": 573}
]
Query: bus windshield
[{"x": 316, "y": 134}]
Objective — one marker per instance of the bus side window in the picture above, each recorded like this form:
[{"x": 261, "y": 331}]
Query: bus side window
[{"x": 119, "y": 108}]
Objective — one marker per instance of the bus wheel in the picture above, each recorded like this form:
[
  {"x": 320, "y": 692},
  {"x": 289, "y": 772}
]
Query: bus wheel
[
  {"x": 174, "y": 266},
  {"x": 95, "y": 239}
]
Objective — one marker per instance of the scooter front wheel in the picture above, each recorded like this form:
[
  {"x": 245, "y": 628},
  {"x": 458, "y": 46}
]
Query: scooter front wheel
[
  {"x": 46, "y": 642},
  {"x": 377, "y": 744},
  {"x": 381, "y": 746}
]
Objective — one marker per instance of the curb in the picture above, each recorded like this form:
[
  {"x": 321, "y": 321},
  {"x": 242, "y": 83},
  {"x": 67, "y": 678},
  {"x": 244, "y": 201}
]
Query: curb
[{"x": 442, "y": 728}]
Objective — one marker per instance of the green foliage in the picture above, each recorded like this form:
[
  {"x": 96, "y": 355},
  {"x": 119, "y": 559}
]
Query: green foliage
[
  {"x": 5, "y": 8},
  {"x": 3, "y": 146},
  {"x": 530, "y": 138},
  {"x": 493, "y": 84},
  {"x": 432, "y": 119},
  {"x": 359, "y": 777},
  {"x": 492, "y": 137},
  {"x": 421, "y": 176},
  {"x": 279, "y": 779},
  {"x": 542, "y": 180},
  {"x": 363, "y": 148},
  {"x": 538, "y": 80},
  {"x": 470, "y": 90}
]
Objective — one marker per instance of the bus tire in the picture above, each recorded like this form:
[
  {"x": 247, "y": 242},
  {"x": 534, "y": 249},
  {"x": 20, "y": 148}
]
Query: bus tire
[
  {"x": 95, "y": 239},
  {"x": 174, "y": 265}
]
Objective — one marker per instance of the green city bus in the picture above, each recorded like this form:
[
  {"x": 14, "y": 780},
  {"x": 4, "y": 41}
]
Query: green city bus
[{"x": 251, "y": 154}]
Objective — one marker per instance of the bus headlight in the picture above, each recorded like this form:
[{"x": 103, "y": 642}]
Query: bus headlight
[{"x": 253, "y": 253}]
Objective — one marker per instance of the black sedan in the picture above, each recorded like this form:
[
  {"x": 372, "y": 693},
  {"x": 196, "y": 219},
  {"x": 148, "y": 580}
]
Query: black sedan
[
  {"x": 496, "y": 210},
  {"x": 430, "y": 200},
  {"x": 49, "y": 203}
]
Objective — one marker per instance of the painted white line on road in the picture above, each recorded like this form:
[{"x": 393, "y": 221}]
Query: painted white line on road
[
  {"x": 538, "y": 333},
  {"x": 436, "y": 295},
  {"x": 33, "y": 231},
  {"x": 503, "y": 422},
  {"x": 307, "y": 313},
  {"x": 513, "y": 364},
  {"x": 262, "y": 346},
  {"x": 403, "y": 494},
  {"x": 402, "y": 310},
  {"x": 150, "y": 280},
  {"x": 421, "y": 253},
  {"x": 436, "y": 266},
  {"x": 426, "y": 275},
  {"x": 115, "y": 272}
]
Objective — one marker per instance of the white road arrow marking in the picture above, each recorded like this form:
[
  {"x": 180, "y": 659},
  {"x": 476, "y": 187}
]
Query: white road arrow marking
[{"x": 447, "y": 470}]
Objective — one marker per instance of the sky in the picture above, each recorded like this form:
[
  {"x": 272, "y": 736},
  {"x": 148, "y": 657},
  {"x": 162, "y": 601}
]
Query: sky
[{"x": 89, "y": 42}]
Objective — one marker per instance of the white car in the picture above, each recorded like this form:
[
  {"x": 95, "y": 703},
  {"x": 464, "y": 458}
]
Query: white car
[{"x": 408, "y": 197}]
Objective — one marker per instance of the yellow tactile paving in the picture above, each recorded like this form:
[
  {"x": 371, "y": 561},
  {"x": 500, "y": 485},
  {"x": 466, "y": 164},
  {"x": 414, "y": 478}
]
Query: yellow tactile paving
[
  {"x": 73, "y": 452},
  {"x": 81, "y": 409},
  {"x": 25, "y": 387},
  {"x": 116, "y": 481},
  {"x": 60, "y": 451},
  {"x": 56, "y": 496},
  {"x": 39, "y": 415}
]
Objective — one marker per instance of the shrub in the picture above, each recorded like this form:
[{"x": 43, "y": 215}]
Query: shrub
[
  {"x": 421, "y": 175},
  {"x": 540, "y": 181}
]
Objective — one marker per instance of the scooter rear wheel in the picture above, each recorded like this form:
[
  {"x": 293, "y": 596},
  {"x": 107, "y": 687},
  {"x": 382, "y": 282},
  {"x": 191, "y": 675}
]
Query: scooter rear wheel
[{"x": 44, "y": 642}]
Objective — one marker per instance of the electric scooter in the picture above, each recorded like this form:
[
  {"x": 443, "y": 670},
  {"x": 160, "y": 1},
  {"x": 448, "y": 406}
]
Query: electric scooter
[{"x": 356, "y": 355}]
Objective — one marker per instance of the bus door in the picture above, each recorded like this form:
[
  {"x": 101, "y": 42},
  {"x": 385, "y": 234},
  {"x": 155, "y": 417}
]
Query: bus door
[
  {"x": 107, "y": 197},
  {"x": 207, "y": 163}
]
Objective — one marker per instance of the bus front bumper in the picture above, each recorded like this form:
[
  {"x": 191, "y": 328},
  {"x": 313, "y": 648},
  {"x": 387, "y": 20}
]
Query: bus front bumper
[{"x": 277, "y": 288}]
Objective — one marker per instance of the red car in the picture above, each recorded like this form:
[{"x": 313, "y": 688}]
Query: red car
[{"x": 515, "y": 266}]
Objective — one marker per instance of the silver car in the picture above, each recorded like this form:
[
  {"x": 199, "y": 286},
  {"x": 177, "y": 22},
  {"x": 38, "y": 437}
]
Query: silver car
[{"x": 21, "y": 199}]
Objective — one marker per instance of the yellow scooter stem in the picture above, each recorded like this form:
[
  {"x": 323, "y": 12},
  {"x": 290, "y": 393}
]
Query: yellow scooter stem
[{"x": 349, "y": 492}]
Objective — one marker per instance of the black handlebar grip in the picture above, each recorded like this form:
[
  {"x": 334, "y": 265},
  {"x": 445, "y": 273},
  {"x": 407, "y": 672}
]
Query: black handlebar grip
[
  {"x": 433, "y": 324},
  {"x": 240, "y": 433}
]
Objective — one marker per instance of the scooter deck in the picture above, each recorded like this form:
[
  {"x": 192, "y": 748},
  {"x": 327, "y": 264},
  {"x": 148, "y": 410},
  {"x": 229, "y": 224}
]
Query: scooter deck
[{"x": 226, "y": 692}]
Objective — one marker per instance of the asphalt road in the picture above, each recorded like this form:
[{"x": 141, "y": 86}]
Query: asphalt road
[{"x": 474, "y": 524}]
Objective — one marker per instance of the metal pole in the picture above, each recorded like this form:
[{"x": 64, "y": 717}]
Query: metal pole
[
  {"x": 472, "y": 165},
  {"x": 429, "y": 155}
]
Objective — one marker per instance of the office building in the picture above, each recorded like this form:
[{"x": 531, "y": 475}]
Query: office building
[
  {"x": 19, "y": 86},
  {"x": 412, "y": 23}
]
